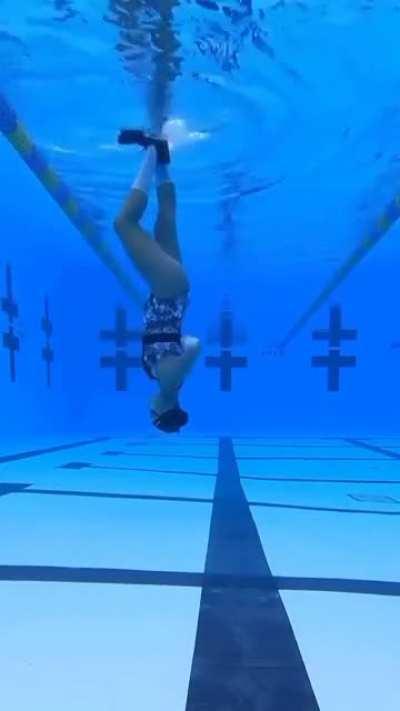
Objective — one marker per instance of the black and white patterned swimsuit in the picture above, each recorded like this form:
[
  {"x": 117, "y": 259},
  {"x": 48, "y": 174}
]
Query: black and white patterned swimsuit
[{"x": 162, "y": 330}]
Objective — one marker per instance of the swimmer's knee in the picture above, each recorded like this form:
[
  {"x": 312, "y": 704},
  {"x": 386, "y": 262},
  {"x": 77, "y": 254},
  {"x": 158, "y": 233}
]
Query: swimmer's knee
[
  {"x": 119, "y": 225},
  {"x": 124, "y": 224}
]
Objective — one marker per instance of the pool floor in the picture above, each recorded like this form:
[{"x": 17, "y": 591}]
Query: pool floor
[{"x": 199, "y": 574}]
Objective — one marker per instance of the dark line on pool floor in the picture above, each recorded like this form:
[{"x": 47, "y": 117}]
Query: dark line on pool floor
[
  {"x": 372, "y": 448},
  {"x": 185, "y": 445},
  {"x": 246, "y": 655},
  {"x": 322, "y": 509},
  {"x": 87, "y": 465},
  {"x": 126, "y": 576},
  {"x": 12, "y": 488},
  {"x": 158, "y": 455},
  {"x": 112, "y": 495},
  {"x": 299, "y": 480},
  {"x": 22, "y": 489},
  {"x": 39, "y": 452},
  {"x": 271, "y": 445},
  {"x": 312, "y": 459},
  {"x": 288, "y": 445}
]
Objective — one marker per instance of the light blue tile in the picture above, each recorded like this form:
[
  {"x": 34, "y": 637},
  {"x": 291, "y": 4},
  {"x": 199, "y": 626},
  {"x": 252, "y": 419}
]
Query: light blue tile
[
  {"x": 297, "y": 453},
  {"x": 331, "y": 545},
  {"x": 325, "y": 495},
  {"x": 329, "y": 469},
  {"x": 120, "y": 482},
  {"x": 72, "y": 531},
  {"x": 350, "y": 646},
  {"x": 108, "y": 468},
  {"x": 283, "y": 442},
  {"x": 151, "y": 461},
  {"x": 96, "y": 647}
]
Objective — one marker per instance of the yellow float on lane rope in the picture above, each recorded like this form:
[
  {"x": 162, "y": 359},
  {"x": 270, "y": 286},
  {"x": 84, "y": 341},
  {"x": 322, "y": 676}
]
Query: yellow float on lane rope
[{"x": 18, "y": 137}]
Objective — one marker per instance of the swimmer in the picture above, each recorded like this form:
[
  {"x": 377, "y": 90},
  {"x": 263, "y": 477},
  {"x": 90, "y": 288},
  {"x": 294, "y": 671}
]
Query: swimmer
[{"x": 167, "y": 356}]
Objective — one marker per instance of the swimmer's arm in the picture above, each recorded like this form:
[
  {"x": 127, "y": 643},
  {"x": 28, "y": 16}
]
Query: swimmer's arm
[{"x": 173, "y": 370}]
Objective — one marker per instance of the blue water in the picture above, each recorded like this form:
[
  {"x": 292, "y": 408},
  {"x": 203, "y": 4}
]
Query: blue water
[
  {"x": 250, "y": 562},
  {"x": 297, "y": 107}
]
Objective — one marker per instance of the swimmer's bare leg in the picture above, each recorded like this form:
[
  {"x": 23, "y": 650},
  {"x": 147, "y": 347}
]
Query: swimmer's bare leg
[
  {"x": 165, "y": 229},
  {"x": 163, "y": 273}
]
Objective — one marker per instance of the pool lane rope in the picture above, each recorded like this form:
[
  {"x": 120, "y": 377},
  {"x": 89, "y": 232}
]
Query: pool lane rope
[
  {"x": 19, "y": 138},
  {"x": 390, "y": 215}
]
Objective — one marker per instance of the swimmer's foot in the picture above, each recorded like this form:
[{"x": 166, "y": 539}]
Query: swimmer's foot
[{"x": 129, "y": 136}]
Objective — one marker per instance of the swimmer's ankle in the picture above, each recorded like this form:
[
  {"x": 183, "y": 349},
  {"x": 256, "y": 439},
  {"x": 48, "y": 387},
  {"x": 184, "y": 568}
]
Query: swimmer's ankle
[
  {"x": 145, "y": 175},
  {"x": 163, "y": 401}
]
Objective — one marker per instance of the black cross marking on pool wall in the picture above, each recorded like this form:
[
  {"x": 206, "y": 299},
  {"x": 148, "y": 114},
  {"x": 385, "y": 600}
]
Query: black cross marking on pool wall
[
  {"x": 226, "y": 329},
  {"x": 121, "y": 362},
  {"x": 47, "y": 350},
  {"x": 10, "y": 308},
  {"x": 334, "y": 361},
  {"x": 335, "y": 334},
  {"x": 122, "y": 336},
  {"x": 11, "y": 342},
  {"x": 226, "y": 362},
  {"x": 8, "y": 305},
  {"x": 228, "y": 335}
]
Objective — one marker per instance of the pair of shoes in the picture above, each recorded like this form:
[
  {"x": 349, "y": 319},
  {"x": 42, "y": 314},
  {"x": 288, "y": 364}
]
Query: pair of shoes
[{"x": 129, "y": 136}]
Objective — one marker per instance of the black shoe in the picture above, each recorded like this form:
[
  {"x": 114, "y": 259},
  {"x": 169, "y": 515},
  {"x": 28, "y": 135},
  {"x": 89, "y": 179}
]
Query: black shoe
[{"x": 129, "y": 136}]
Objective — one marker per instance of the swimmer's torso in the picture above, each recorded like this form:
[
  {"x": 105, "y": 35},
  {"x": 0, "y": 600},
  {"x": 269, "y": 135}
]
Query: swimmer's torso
[{"x": 162, "y": 318}]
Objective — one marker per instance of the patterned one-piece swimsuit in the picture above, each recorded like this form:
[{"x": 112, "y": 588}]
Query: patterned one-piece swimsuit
[{"x": 162, "y": 330}]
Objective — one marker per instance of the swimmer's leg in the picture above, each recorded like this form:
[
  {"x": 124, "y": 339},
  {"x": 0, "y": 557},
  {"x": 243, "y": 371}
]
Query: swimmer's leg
[
  {"x": 164, "y": 274},
  {"x": 165, "y": 230}
]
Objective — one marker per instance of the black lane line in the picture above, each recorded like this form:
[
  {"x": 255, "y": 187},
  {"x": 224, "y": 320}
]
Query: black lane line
[
  {"x": 108, "y": 495},
  {"x": 246, "y": 655},
  {"x": 312, "y": 459},
  {"x": 241, "y": 438},
  {"x": 324, "y": 509},
  {"x": 244, "y": 445},
  {"x": 120, "y": 453},
  {"x": 158, "y": 455},
  {"x": 6, "y": 488},
  {"x": 322, "y": 481},
  {"x": 203, "y": 443},
  {"x": 341, "y": 585},
  {"x": 116, "y": 576},
  {"x": 48, "y": 450},
  {"x": 87, "y": 465},
  {"x": 287, "y": 445},
  {"x": 372, "y": 448},
  {"x": 18, "y": 489},
  {"x": 176, "y": 440},
  {"x": 123, "y": 576},
  {"x": 79, "y": 465}
]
